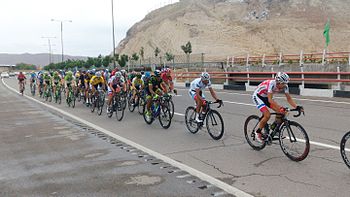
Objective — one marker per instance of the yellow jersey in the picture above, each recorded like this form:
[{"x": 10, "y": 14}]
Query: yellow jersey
[{"x": 96, "y": 80}]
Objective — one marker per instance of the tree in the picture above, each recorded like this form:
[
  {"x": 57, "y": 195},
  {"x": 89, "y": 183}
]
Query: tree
[
  {"x": 187, "y": 50},
  {"x": 123, "y": 60},
  {"x": 142, "y": 53},
  {"x": 106, "y": 60},
  {"x": 135, "y": 57},
  {"x": 156, "y": 52},
  {"x": 169, "y": 56},
  {"x": 98, "y": 61}
]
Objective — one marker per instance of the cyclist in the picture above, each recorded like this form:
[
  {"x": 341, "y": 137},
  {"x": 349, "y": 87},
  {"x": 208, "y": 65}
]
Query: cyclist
[
  {"x": 263, "y": 98},
  {"x": 57, "y": 80},
  {"x": 196, "y": 88},
  {"x": 69, "y": 81},
  {"x": 153, "y": 90},
  {"x": 168, "y": 80},
  {"x": 21, "y": 81},
  {"x": 87, "y": 78},
  {"x": 47, "y": 81},
  {"x": 137, "y": 85},
  {"x": 40, "y": 82},
  {"x": 115, "y": 84},
  {"x": 32, "y": 79},
  {"x": 95, "y": 82}
]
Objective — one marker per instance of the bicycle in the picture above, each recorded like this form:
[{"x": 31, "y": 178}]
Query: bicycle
[
  {"x": 133, "y": 103},
  {"x": 212, "y": 118},
  {"x": 32, "y": 88},
  {"x": 158, "y": 110},
  {"x": 71, "y": 97},
  {"x": 21, "y": 87},
  {"x": 283, "y": 133},
  {"x": 41, "y": 92},
  {"x": 58, "y": 95},
  {"x": 48, "y": 93},
  {"x": 345, "y": 148},
  {"x": 98, "y": 101},
  {"x": 170, "y": 103},
  {"x": 117, "y": 107}
]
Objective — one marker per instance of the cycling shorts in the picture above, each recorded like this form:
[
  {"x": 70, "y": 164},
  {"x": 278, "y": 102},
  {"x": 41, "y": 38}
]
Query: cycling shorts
[{"x": 261, "y": 102}]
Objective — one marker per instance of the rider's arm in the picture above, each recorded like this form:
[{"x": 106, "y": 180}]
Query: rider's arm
[
  {"x": 273, "y": 104},
  {"x": 290, "y": 100},
  {"x": 150, "y": 87},
  {"x": 213, "y": 94}
]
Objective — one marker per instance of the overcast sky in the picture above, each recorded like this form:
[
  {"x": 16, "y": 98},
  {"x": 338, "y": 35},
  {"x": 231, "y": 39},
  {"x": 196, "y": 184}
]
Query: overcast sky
[{"x": 24, "y": 22}]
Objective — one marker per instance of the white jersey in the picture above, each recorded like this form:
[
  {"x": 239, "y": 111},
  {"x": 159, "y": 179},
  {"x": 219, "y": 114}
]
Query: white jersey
[
  {"x": 269, "y": 86},
  {"x": 198, "y": 84}
]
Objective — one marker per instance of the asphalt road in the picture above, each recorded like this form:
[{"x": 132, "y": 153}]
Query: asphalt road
[
  {"x": 45, "y": 154},
  {"x": 261, "y": 173}
]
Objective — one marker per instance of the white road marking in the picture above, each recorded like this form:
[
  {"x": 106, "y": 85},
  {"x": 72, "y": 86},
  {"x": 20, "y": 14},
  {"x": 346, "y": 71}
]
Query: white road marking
[{"x": 222, "y": 185}]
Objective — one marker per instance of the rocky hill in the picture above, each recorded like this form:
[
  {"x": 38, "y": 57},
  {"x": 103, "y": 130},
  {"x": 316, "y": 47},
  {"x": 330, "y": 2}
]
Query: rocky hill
[
  {"x": 41, "y": 59},
  {"x": 236, "y": 27}
]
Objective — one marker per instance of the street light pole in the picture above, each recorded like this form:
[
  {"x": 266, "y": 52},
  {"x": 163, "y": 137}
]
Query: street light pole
[
  {"x": 62, "y": 21},
  {"x": 49, "y": 41},
  {"x": 113, "y": 34}
]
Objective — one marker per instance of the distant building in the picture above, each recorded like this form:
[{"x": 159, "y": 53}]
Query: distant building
[{"x": 6, "y": 67}]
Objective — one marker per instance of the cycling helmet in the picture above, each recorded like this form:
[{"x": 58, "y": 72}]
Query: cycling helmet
[
  {"x": 147, "y": 74},
  {"x": 157, "y": 73},
  {"x": 282, "y": 77},
  {"x": 205, "y": 76},
  {"x": 138, "y": 75},
  {"x": 98, "y": 74},
  {"x": 118, "y": 74},
  {"x": 142, "y": 72}
]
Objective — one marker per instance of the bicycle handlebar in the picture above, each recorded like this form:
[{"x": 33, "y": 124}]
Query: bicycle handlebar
[
  {"x": 298, "y": 110},
  {"x": 219, "y": 101}
]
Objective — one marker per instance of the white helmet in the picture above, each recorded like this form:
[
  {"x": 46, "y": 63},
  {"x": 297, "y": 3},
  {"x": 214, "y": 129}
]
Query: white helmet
[
  {"x": 98, "y": 74},
  {"x": 282, "y": 77},
  {"x": 205, "y": 76},
  {"x": 118, "y": 74}
]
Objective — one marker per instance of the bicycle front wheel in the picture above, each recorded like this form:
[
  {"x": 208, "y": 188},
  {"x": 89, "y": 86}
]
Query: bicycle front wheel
[
  {"x": 164, "y": 117},
  {"x": 215, "y": 124},
  {"x": 294, "y": 141},
  {"x": 120, "y": 110},
  {"x": 140, "y": 105},
  {"x": 250, "y": 126},
  {"x": 190, "y": 119},
  {"x": 345, "y": 148}
]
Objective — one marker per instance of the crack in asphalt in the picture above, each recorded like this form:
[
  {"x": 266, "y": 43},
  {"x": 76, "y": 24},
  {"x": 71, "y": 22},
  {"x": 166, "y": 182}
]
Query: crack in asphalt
[
  {"x": 256, "y": 174},
  {"x": 266, "y": 160},
  {"x": 330, "y": 160}
]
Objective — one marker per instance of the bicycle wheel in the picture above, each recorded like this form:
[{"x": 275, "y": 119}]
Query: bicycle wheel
[
  {"x": 250, "y": 126},
  {"x": 170, "y": 105},
  {"x": 294, "y": 141},
  {"x": 50, "y": 96},
  {"x": 93, "y": 104},
  {"x": 140, "y": 105},
  {"x": 119, "y": 110},
  {"x": 191, "y": 123},
  {"x": 164, "y": 117},
  {"x": 72, "y": 99},
  {"x": 59, "y": 98},
  {"x": 345, "y": 149},
  {"x": 215, "y": 124},
  {"x": 100, "y": 105},
  {"x": 131, "y": 104},
  {"x": 147, "y": 119}
]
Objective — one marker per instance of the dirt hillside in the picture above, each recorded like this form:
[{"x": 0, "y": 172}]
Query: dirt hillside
[{"x": 236, "y": 27}]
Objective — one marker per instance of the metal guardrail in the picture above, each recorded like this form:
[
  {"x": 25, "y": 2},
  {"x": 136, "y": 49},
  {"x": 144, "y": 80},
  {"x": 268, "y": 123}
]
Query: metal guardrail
[{"x": 304, "y": 76}]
